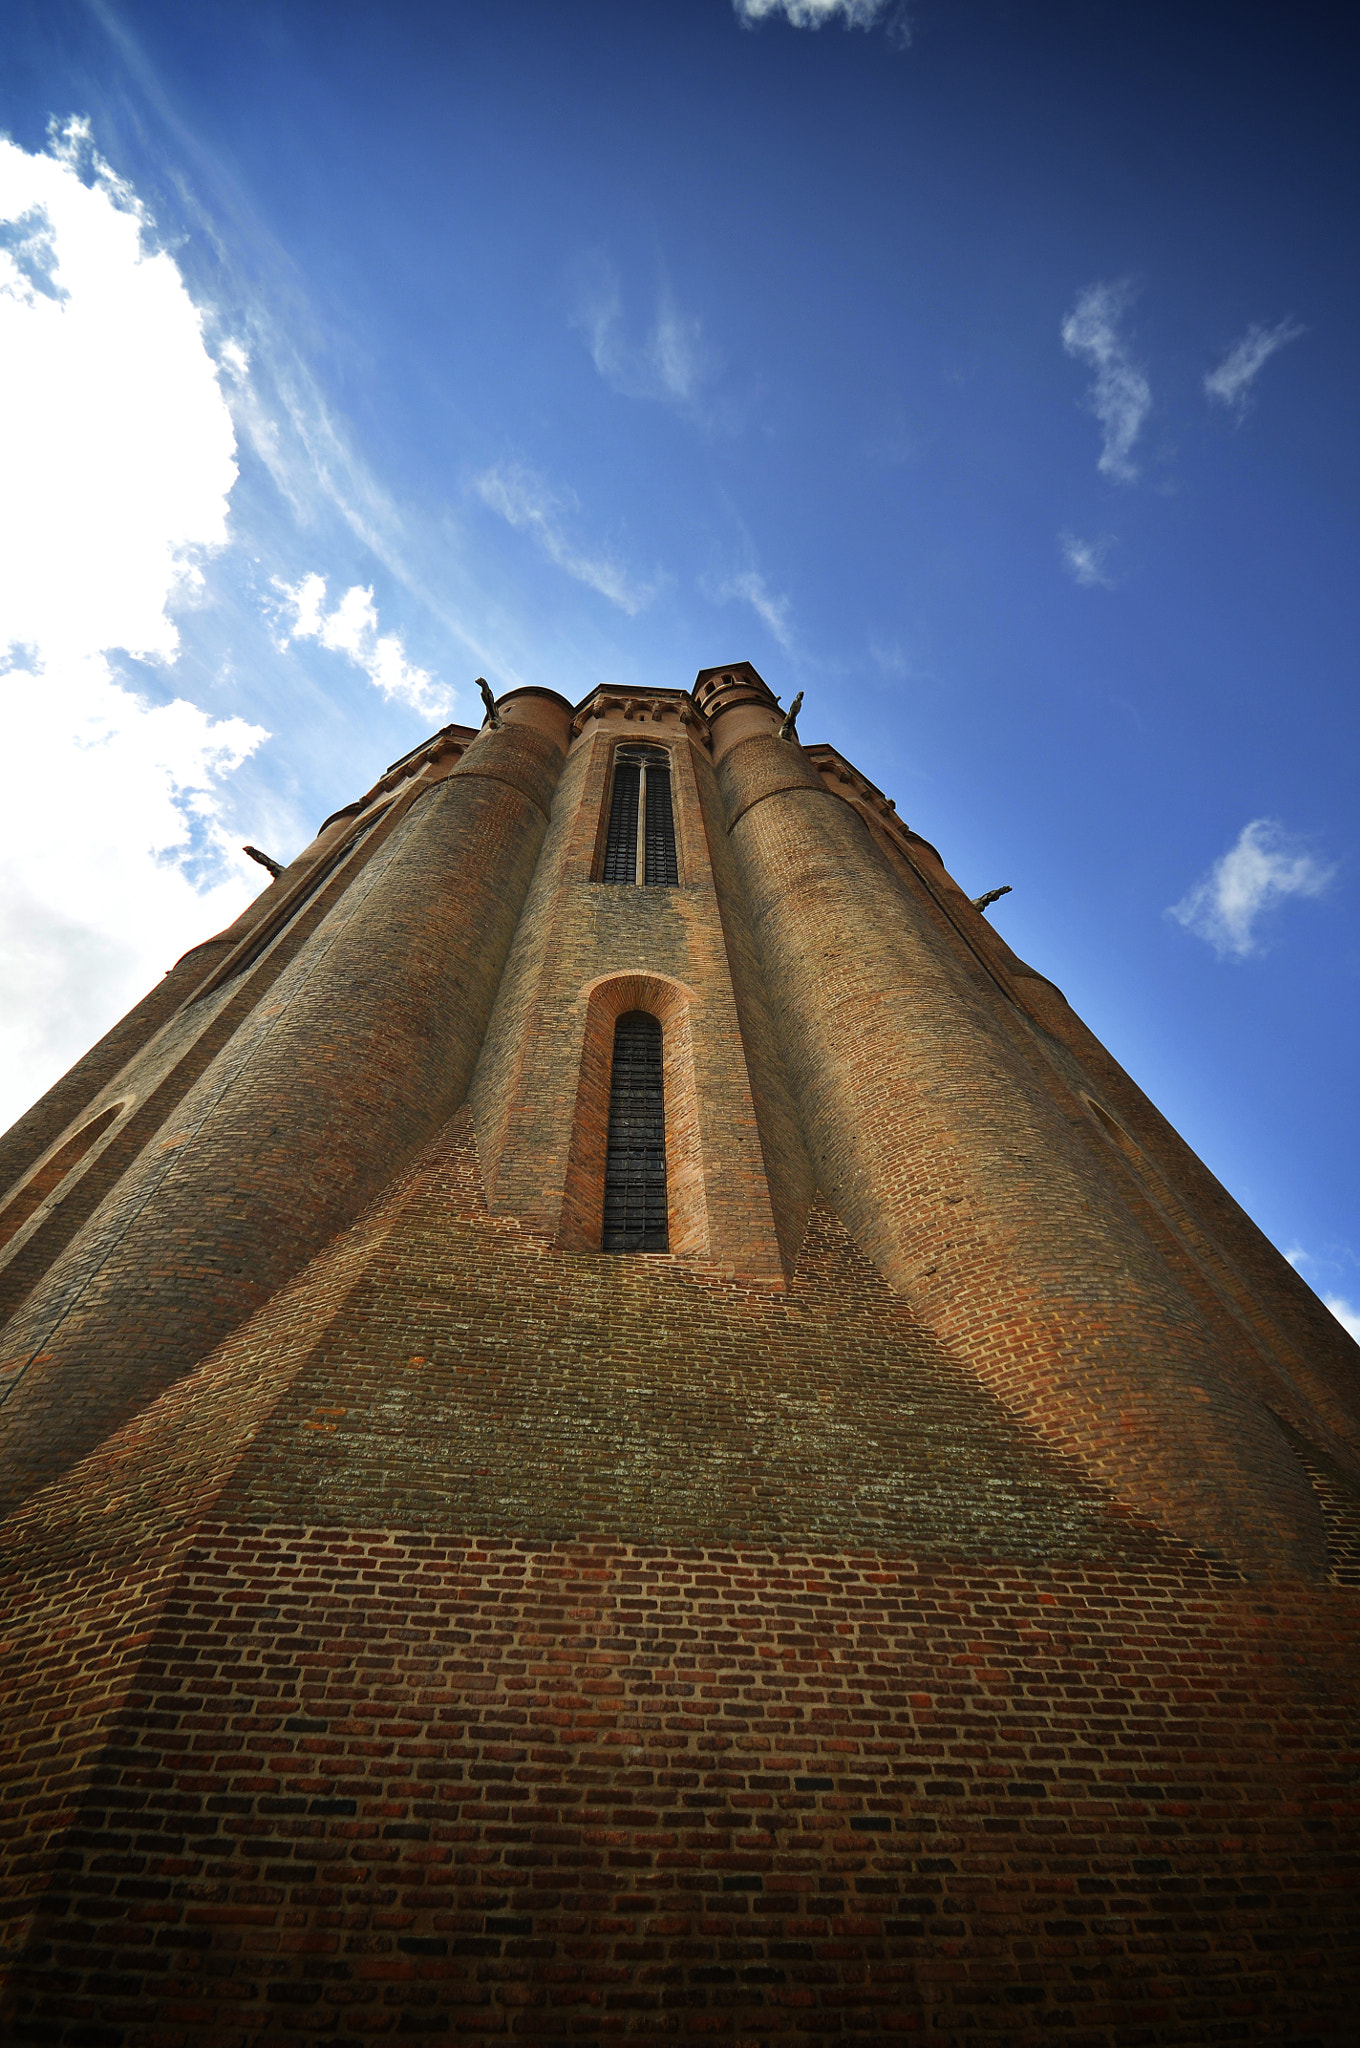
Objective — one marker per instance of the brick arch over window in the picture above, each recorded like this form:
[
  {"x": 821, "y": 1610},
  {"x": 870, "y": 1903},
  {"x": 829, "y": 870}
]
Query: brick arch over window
[
  {"x": 34, "y": 1192},
  {"x": 670, "y": 1002}
]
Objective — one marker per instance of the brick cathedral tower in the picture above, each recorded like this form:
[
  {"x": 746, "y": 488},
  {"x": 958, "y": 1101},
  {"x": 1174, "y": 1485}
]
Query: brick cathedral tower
[{"x": 617, "y": 1426}]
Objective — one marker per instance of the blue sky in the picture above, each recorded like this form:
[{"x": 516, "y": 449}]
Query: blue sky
[{"x": 986, "y": 372}]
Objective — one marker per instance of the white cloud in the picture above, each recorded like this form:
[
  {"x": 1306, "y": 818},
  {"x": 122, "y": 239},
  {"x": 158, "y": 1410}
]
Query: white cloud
[
  {"x": 351, "y": 628},
  {"x": 671, "y": 365},
  {"x": 1084, "y": 560},
  {"x": 524, "y": 499},
  {"x": 119, "y": 453},
  {"x": 1345, "y": 1312},
  {"x": 118, "y": 457},
  {"x": 750, "y": 587},
  {"x": 1230, "y": 383},
  {"x": 816, "y": 13},
  {"x": 1265, "y": 866},
  {"x": 1120, "y": 397},
  {"x": 105, "y": 858}
]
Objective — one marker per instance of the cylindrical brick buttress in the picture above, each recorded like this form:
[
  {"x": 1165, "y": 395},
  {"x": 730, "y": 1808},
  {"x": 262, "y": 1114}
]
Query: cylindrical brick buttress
[
  {"x": 960, "y": 1175},
  {"x": 359, "y": 1051}
]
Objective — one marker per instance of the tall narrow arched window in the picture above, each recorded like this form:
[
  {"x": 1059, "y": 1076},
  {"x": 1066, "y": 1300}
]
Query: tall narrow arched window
[
  {"x": 50, "y": 1176},
  {"x": 640, "y": 843},
  {"x": 635, "y": 1158}
]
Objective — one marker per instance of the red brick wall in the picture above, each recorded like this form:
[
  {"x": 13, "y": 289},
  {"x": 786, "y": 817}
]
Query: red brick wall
[
  {"x": 148, "y": 1063},
  {"x": 370, "y": 1783},
  {"x": 325, "y": 1090},
  {"x": 963, "y": 1179},
  {"x": 1270, "y": 1331},
  {"x": 70, "y": 1100},
  {"x": 1237, "y": 1278},
  {"x": 86, "y": 1565},
  {"x": 496, "y": 1638},
  {"x": 540, "y": 1093},
  {"x": 1118, "y": 1786}
]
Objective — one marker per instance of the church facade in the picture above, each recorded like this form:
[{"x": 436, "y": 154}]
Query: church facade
[{"x": 615, "y": 1424}]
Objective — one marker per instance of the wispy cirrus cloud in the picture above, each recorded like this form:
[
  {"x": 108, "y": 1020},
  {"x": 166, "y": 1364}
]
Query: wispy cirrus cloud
[
  {"x": 276, "y": 402},
  {"x": 1265, "y": 866},
  {"x": 525, "y": 500},
  {"x": 282, "y": 416},
  {"x": 890, "y": 658},
  {"x": 350, "y": 627},
  {"x": 671, "y": 364},
  {"x": 1120, "y": 396},
  {"x": 748, "y": 586},
  {"x": 259, "y": 320},
  {"x": 1085, "y": 560},
  {"x": 1230, "y": 382},
  {"x": 817, "y": 13}
]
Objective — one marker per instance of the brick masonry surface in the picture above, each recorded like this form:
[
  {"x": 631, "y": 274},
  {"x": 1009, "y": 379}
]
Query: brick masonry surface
[
  {"x": 392, "y": 1724},
  {"x": 960, "y": 1172},
  {"x": 921, "y": 1605},
  {"x": 372, "y": 1783},
  {"x": 367, "y": 1044}
]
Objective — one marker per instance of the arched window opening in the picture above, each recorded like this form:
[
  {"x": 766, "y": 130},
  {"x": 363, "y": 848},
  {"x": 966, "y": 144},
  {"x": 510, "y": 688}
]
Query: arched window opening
[
  {"x": 635, "y": 1158},
  {"x": 260, "y": 937},
  {"x": 640, "y": 841},
  {"x": 49, "y": 1177},
  {"x": 1112, "y": 1130}
]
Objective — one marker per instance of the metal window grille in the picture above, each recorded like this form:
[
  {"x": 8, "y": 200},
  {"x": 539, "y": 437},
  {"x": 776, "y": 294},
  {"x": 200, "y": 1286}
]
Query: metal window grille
[
  {"x": 640, "y": 842},
  {"x": 659, "y": 863},
  {"x": 620, "y": 851},
  {"x": 635, "y": 1161}
]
